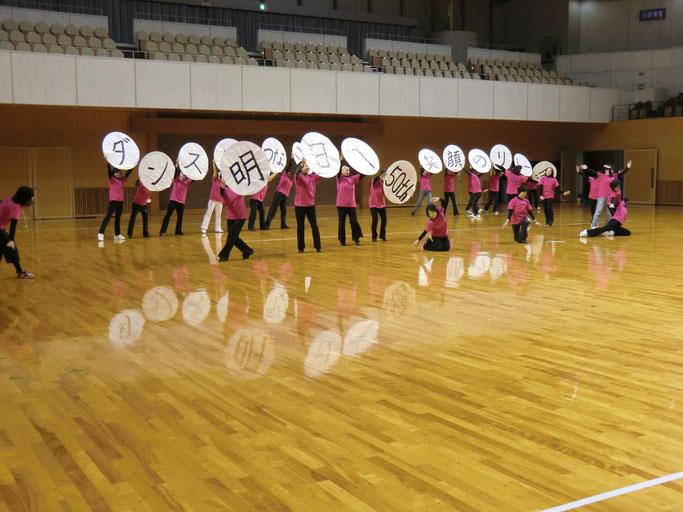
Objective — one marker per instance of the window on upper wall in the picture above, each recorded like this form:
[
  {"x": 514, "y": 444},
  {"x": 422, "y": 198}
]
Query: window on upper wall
[{"x": 652, "y": 14}]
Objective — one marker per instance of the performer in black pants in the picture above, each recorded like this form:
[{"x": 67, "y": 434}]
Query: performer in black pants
[
  {"x": 378, "y": 207},
  {"x": 140, "y": 202},
  {"x": 282, "y": 194},
  {"x": 449, "y": 191},
  {"x": 304, "y": 206},
  {"x": 236, "y": 213},
  {"x": 346, "y": 204},
  {"x": 614, "y": 226},
  {"x": 176, "y": 202},
  {"x": 10, "y": 211},
  {"x": 117, "y": 179}
]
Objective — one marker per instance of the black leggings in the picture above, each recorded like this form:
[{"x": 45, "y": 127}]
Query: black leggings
[
  {"x": 438, "y": 243},
  {"x": 474, "y": 199},
  {"x": 533, "y": 197},
  {"x": 257, "y": 207},
  {"x": 142, "y": 210},
  {"x": 493, "y": 200},
  {"x": 548, "y": 210},
  {"x": 11, "y": 254},
  {"x": 447, "y": 198},
  {"x": 593, "y": 203},
  {"x": 301, "y": 212},
  {"x": 115, "y": 207},
  {"x": 280, "y": 200},
  {"x": 356, "y": 232},
  {"x": 519, "y": 231},
  {"x": 234, "y": 240},
  {"x": 173, "y": 206},
  {"x": 612, "y": 225},
  {"x": 382, "y": 214}
]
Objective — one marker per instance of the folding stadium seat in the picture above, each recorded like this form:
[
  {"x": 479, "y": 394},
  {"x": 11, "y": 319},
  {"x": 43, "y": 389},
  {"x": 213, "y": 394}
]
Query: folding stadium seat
[
  {"x": 418, "y": 72},
  {"x": 545, "y": 74},
  {"x": 341, "y": 50},
  {"x": 334, "y": 59},
  {"x": 385, "y": 62},
  {"x": 71, "y": 30},
  {"x": 410, "y": 55},
  {"x": 201, "y": 58},
  {"x": 335, "y": 67},
  {"x": 17, "y": 37},
  {"x": 80, "y": 42},
  {"x": 4, "y": 36},
  {"x": 165, "y": 47},
  {"x": 10, "y": 24},
  {"x": 41, "y": 28},
  {"x": 87, "y": 32},
  {"x": 367, "y": 69},
  {"x": 400, "y": 54},
  {"x": 537, "y": 73},
  {"x": 395, "y": 63},
  {"x": 56, "y": 49},
  {"x": 108, "y": 43},
  {"x": 288, "y": 55},
  {"x": 398, "y": 71},
  {"x": 487, "y": 70},
  {"x": 33, "y": 38},
  {"x": 193, "y": 39},
  {"x": 70, "y": 50},
  {"x": 217, "y": 51},
  {"x": 22, "y": 47},
  {"x": 191, "y": 49},
  {"x": 437, "y": 73},
  {"x": 177, "y": 48},
  {"x": 391, "y": 54},
  {"x": 219, "y": 41},
  {"x": 6, "y": 45},
  {"x": 25, "y": 26},
  {"x": 155, "y": 36},
  {"x": 553, "y": 74},
  {"x": 504, "y": 71},
  {"x": 310, "y": 47},
  {"x": 405, "y": 63},
  {"x": 230, "y": 41},
  {"x": 299, "y": 47},
  {"x": 428, "y": 56},
  {"x": 101, "y": 52},
  {"x": 389, "y": 70},
  {"x": 371, "y": 53},
  {"x": 168, "y": 37},
  {"x": 157, "y": 56},
  {"x": 420, "y": 56},
  {"x": 141, "y": 36},
  {"x": 428, "y": 72},
  {"x": 354, "y": 59},
  {"x": 408, "y": 71},
  {"x": 438, "y": 58},
  {"x": 513, "y": 72},
  {"x": 322, "y": 57},
  {"x": 319, "y": 48},
  {"x": 324, "y": 65},
  {"x": 101, "y": 32},
  {"x": 460, "y": 67},
  {"x": 443, "y": 66},
  {"x": 501, "y": 78},
  {"x": 536, "y": 80},
  {"x": 552, "y": 81},
  {"x": 496, "y": 70},
  {"x": 88, "y": 52},
  {"x": 300, "y": 64},
  {"x": 311, "y": 57},
  {"x": 241, "y": 52},
  {"x": 49, "y": 40},
  {"x": 299, "y": 56},
  {"x": 214, "y": 59},
  {"x": 528, "y": 80},
  {"x": 474, "y": 76},
  {"x": 204, "y": 50},
  {"x": 544, "y": 80},
  {"x": 94, "y": 42},
  {"x": 186, "y": 57},
  {"x": 433, "y": 65},
  {"x": 229, "y": 60}
]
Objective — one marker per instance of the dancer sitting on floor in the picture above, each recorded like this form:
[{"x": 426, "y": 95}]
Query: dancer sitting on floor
[
  {"x": 436, "y": 229},
  {"x": 614, "y": 226}
]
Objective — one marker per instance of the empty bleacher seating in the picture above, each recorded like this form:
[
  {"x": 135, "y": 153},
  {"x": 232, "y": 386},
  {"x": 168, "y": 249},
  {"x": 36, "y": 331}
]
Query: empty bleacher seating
[
  {"x": 517, "y": 71},
  {"x": 410, "y": 63},
  {"x": 193, "y": 48},
  {"x": 311, "y": 56}
]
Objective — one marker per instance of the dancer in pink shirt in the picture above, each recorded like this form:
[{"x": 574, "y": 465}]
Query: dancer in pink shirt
[
  {"x": 304, "y": 205},
  {"x": 10, "y": 211},
  {"x": 425, "y": 189},
  {"x": 548, "y": 185},
  {"x": 494, "y": 190},
  {"x": 117, "y": 179},
  {"x": 282, "y": 194},
  {"x": 614, "y": 226},
  {"x": 519, "y": 211},
  {"x": 346, "y": 204},
  {"x": 215, "y": 204},
  {"x": 176, "y": 202},
  {"x": 378, "y": 207},
  {"x": 449, "y": 191},
  {"x": 140, "y": 202},
  {"x": 236, "y": 213},
  {"x": 436, "y": 229}
]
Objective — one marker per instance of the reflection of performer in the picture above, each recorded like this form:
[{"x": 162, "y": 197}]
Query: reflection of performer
[
  {"x": 176, "y": 201},
  {"x": 116, "y": 194},
  {"x": 614, "y": 226},
  {"x": 474, "y": 189},
  {"x": 304, "y": 205},
  {"x": 10, "y": 211},
  {"x": 346, "y": 204},
  {"x": 548, "y": 185},
  {"x": 436, "y": 228},
  {"x": 378, "y": 207},
  {"x": 605, "y": 177},
  {"x": 236, "y": 213},
  {"x": 514, "y": 180},
  {"x": 215, "y": 203},
  {"x": 449, "y": 191},
  {"x": 494, "y": 190},
  {"x": 425, "y": 189},
  {"x": 140, "y": 202},
  {"x": 281, "y": 195},
  {"x": 519, "y": 211}
]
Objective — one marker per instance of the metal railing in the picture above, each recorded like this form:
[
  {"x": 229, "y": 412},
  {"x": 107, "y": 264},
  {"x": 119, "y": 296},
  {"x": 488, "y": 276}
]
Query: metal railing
[
  {"x": 645, "y": 110},
  {"x": 615, "y": 48},
  {"x": 405, "y": 39},
  {"x": 53, "y": 6},
  {"x": 298, "y": 28},
  {"x": 503, "y": 47}
]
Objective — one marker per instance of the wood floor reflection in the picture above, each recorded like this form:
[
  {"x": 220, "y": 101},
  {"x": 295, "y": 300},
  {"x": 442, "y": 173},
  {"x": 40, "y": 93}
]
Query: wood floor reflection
[{"x": 496, "y": 377}]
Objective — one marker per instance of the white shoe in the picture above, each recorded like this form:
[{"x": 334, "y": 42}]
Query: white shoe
[
  {"x": 538, "y": 207},
  {"x": 481, "y": 210},
  {"x": 203, "y": 231},
  {"x": 608, "y": 233},
  {"x": 594, "y": 227},
  {"x": 583, "y": 233},
  {"x": 496, "y": 213},
  {"x": 119, "y": 237},
  {"x": 478, "y": 217},
  {"x": 100, "y": 236},
  {"x": 219, "y": 231}
]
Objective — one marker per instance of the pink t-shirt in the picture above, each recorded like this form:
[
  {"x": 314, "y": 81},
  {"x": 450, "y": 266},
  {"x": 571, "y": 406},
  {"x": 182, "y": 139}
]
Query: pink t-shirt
[
  {"x": 438, "y": 226},
  {"x": 425, "y": 183},
  {"x": 141, "y": 195},
  {"x": 473, "y": 183},
  {"x": 494, "y": 183},
  {"x": 519, "y": 208},
  {"x": 346, "y": 190},
  {"x": 261, "y": 194},
  {"x": 376, "y": 199},
  {"x": 215, "y": 194},
  {"x": 603, "y": 184},
  {"x": 285, "y": 184},
  {"x": 9, "y": 210},
  {"x": 621, "y": 213},
  {"x": 593, "y": 193},
  {"x": 448, "y": 182},
  {"x": 305, "y": 189},
  {"x": 549, "y": 184},
  {"x": 116, "y": 192},
  {"x": 179, "y": 190},
  {"x": 514, "y": 181},
  {"x": 531, "y": 185},
  {"x": 235, "y": 207},
  {"x": 615, "y": 197}
]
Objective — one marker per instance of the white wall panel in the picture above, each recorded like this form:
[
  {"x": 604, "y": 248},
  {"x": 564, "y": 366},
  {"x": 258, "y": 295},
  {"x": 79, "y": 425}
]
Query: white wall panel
[
  {"x": 105, "y": 82},
  {"x": 399, "y": 95},
  {"x": 358, "y": 93},
  {"x": 574, "y": 103},
  {"x": 335, "y": 40},
  {"x": 162, "y": 84},
  {"x": 269, "y": 35},
  {"x": 183, "y": 28},
  {"x": 265, "y": 89},
  {"x": 667, "y": 58},
  {"x": 601, "y": 102},
  {"x": 148, "y": 26},
  {"x": 563, "y": 64},
  {"x": 215, "y": 86},
  {"x": 622, "y": 61},
  {"x": 438, "y": 97},
  {"x": 87, "y": 19},
  {"x": 313, "y": 91},
  {"x": 602, "y": 79},
  {"x": 590, "y": 62},
  {"x": 186, "y": 28},
  {"x": 510, "y": 100},
  {"x": 475, "y": 99},
  {"x": 631, "y": 79},
  {"x": 5, "y": 76},
  {"x": 543, "y": 102},
  {"x": 666, "y": 78},
  {"x": 43, "y": 79}
]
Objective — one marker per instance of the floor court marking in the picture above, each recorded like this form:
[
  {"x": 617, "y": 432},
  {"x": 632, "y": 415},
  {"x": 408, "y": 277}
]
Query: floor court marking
[{"x": 617, "y": 492}]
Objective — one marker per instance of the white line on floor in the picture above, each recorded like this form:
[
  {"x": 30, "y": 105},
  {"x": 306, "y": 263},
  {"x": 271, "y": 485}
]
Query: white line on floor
[{"x": 618, "y": 492}]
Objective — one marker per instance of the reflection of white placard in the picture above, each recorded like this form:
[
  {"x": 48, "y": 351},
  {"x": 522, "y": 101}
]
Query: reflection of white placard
[
  {"x": 275, "y": 307},
  {"x": 297, "y": 152},
  {"x": 399, "y": 299},
  {"x": 120, "y": 151},
  {"x": 479, "y": 161},
  {"x": 400, "y": 182},
  {"x": 156, "y": 171},
  {"x": 430, "y": 161},
  {"x": 520, "y": 159},
  {"x": 360, "y": 156},
  {"x": 275, "y": 151},
  {"x": 479, "y": 265},
  {"x": 540, "y": 169},
  {"x": 249, "y": 353},
  {"x": 322, "y": 157},
  {"x": 323, "y": 353},
  {"x": 360, "y": 337},
  {"x": 222, "y": 307},
  {"x": 196, "y": 307},
  {"x": 455, "y": 269},
  {"x": 245, "y": 168},
  {"x": 193, "y": 161},
  {"x": 159, "y": 304},
  {"x": 126, "y": 327},
  {"x": 498, "y": 267},
  {"x": 453, "y": 158},
  {"x": 501, "y": 155},
  {"x": 219, "y": 150}
]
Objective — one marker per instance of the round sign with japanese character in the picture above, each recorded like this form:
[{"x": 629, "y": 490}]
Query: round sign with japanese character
[
  {"x": 192, "y": 161},
  {"x": 219, "y": 150},
  {"x": 430, "y": 161},
  {"x": 322, "y": 157},
  {"x": 297, "y": 152},
  {"x": 120, "y": 151},
  {"x": 156, "y": 171},
  {"x": 360, "y": 156},
  {"x": 276, "y": 154},
  {"x": 541, "y": 168},
  {"x": 520, "y": 159},
  {"x": 453, "y": 158},
  {"x": 479, "y": 161},
  {"x": 245, "y": 168},
  {"x": 501, "y": 155},
  {"x": 400, "y": 182}
]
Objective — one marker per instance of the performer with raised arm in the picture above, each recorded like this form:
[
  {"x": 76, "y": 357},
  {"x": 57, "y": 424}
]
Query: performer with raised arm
[
  {"x": 378, "y": 207},
  {"x": 215, "y": 204},
  {"x": 117, "y": 180},
  {"x": 282, "y": 194},
  {"x": 548, "y": 185},
  {"x": 436, "y": 229},
  {"x": 176, "y": 201},
  {"x": 514, "y": 179},
  {"x": 519, "y": 211},
  {"x": 304, "y": 205},
  {"x": 449, "y": 191},
  {"x": 425, "y": 189},
  {"x": 604, "y": 177},
  {"x": 236, "y": 213},
  {"x": 474, "y": 189},
  {"x": 346, "y": 204},
  {"x": 494, "y": 189},
  {"x": 140, "y": 202}
]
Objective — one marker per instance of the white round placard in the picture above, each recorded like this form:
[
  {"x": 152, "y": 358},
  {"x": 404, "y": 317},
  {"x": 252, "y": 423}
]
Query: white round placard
[
  {"x": 400, "y": 182},
  {"x": 501, "y": 155},
  {"x": 479, "y": 161},
  {"x": 156, "y": 171},
  {"x": 120, "y": 151},
  {"x": 297, "y": 152},
  {"x": 193, "y": 161},
  {"x": 540, "y": 169},
  {"x": 430, "y": 161},
  {"x": 360, "y": 156},
  {"x": 245, "y": 168},
  {"x": 520, "y": 159},
  {"x": 275, "y": 151},
  {"x": 219, "y": 150},
  {"x": 453, "y": 158},
  {"x": 322, "y": 157}
]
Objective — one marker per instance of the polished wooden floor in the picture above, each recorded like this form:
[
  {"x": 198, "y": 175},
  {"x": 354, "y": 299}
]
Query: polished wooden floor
[{"x": 495, "y": 377}]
